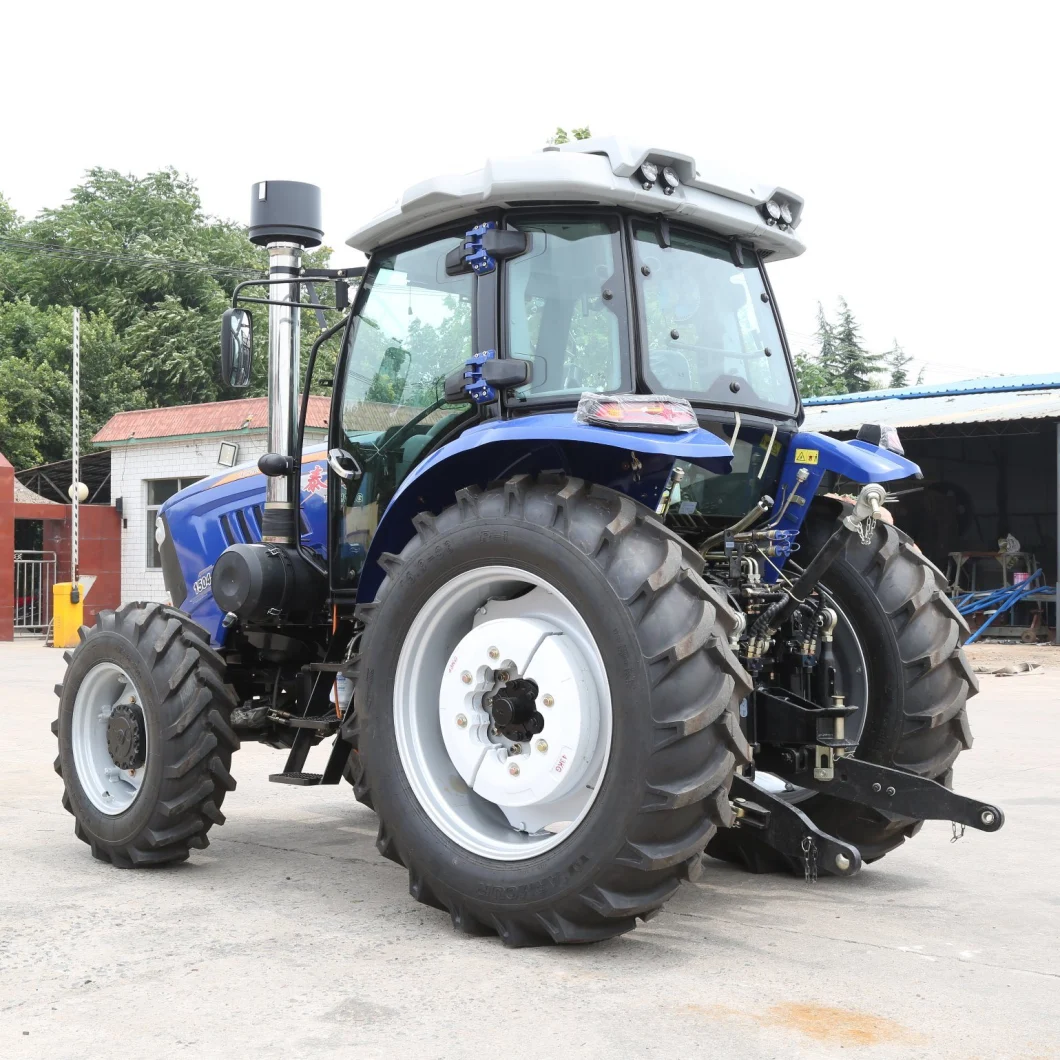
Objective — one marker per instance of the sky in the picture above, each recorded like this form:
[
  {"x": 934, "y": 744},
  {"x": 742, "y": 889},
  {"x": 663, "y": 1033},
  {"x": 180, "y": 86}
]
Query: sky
[{"x": 919, "y": 134}]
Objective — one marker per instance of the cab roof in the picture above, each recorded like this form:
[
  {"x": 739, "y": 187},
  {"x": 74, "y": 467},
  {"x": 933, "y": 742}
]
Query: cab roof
[{"x": 603, "y": 171}]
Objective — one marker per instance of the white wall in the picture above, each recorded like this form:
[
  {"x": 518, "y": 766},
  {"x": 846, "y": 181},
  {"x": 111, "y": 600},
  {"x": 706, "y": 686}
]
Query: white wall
[{"x": 131, "y": 466}]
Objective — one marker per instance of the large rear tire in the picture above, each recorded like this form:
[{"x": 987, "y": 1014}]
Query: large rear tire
[
  {"x": 627, "y": 591},
  {"x": 919, "y": 681},
  {"x": 145, "y": 745}
]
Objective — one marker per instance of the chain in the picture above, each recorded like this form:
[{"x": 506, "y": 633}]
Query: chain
[
  {"x": 956, "y": 835},
  {"x": 867, "y": 530},
  {"x": 809, "y": 858}
]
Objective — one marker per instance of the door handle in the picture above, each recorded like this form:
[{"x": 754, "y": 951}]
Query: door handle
[{"x": 343, "y": 464}]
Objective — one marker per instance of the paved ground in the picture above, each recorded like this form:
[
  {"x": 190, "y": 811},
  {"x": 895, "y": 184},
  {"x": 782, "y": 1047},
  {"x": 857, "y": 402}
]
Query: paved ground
[{"x": 291, "y": 937}]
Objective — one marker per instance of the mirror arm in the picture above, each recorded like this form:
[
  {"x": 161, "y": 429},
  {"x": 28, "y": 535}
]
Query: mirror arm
[{"x": 293, "y": 305}]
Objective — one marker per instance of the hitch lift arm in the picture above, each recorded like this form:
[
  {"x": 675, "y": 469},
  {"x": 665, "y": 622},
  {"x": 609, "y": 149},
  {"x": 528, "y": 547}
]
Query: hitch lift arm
[{"x": 894, "y": 791}]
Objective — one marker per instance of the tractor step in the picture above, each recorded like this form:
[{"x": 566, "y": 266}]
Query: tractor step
[{"x": 302, "y": 780}]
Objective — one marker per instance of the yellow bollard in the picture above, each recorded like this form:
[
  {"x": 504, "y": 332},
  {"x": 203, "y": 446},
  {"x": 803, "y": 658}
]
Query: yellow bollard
[{"x": 67, "y": 617}]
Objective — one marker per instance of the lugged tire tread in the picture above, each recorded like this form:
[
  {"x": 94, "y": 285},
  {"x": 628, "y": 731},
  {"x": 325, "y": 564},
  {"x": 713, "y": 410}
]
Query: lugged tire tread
[
  {"x": 195, "y": 702},
  {"x": 679, "y": 812}
]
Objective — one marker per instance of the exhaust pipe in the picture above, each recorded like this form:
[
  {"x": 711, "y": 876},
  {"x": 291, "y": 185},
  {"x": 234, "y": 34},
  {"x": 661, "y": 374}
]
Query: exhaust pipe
[{"x": 285, "y": 218}]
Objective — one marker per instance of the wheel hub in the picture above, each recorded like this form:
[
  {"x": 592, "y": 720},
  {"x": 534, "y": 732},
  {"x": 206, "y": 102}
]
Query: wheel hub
[
  {"x": 509, "y": 681},
  {"x": 127, "y": 737},
  {"x": 514, "y": 710}
]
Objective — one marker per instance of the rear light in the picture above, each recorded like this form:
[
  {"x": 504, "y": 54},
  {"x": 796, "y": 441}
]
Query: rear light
[{"x": 637, "y": 412}]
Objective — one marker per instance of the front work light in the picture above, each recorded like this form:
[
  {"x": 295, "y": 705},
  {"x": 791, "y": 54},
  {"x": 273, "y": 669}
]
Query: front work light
[
  {"x": 773, "y": 209},
  {"x": 637, "y": 412},
  {"x": 671, "y": 179},
  {"x": 785, "y": 213},
  {"x": 883, "y": 435},
  {"x": 649, "y": 173}
]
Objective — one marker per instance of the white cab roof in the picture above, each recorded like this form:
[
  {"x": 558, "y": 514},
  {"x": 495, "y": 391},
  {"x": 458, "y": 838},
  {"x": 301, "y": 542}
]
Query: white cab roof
[{"x": 599, "y": 170}]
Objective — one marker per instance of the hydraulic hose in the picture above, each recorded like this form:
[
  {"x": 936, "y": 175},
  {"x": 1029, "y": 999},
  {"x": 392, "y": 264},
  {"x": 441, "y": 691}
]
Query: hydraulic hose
[{"x": 742, "y": 523}]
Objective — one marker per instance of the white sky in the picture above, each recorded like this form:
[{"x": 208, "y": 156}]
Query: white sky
[{"x": 918, "y": 133}]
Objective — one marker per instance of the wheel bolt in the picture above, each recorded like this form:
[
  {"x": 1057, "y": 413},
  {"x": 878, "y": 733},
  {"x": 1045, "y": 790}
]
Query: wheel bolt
[
  {"x": 494, "y": 654},
  {"x": 461, "y": 721},
  {"x": 514, "y": 769},
  {"x": 548, "y": 700},
  {"x": 465, "y": 677},
  {"x": 503, "y": 675},
  {"x": 542, "y": 746}
]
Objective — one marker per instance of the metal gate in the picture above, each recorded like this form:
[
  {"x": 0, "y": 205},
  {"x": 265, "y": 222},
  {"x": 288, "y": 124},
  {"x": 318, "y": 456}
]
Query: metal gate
[{"x": 34, "y": 578}]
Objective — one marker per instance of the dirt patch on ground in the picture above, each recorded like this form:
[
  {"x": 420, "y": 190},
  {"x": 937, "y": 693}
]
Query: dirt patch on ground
[{"x": 995, "y": 655}]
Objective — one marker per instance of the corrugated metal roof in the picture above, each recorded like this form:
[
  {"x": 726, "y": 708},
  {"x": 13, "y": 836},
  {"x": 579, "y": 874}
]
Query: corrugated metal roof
[
  {"x": 993, "y": 385},
  {"x": 904, "y": 411},
  {"x": 214, "y": 417}
]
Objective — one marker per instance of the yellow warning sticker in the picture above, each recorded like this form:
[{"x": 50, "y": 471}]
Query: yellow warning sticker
[
  {"x": 764, "y": 444},
  {"x": 806, "y": 456}
]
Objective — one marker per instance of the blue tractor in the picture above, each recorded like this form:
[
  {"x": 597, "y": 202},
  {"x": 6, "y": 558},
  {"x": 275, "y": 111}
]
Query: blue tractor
[{"x": 572, "y": 596}]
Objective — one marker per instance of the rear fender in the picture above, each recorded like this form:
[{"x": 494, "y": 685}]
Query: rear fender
[
  {"x": 817, "y": 453},
  {"x": 633, "y": 462}
]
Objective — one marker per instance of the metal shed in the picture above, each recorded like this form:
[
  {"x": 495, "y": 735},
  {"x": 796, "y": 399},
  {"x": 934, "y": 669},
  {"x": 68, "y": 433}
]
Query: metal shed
[{"x": 988, "y": 449}]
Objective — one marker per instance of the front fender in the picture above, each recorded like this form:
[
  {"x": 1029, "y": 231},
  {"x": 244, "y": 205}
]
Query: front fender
[{"x": 636, "y": 463}]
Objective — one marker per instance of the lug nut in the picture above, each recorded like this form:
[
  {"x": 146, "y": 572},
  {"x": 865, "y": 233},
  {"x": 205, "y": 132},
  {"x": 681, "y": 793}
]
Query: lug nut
[
  {"x": 514, "y": 769},
  {"x": 494, "y": 653},
  {"x": 542, "y": 746},
  {"x": 461, "y": 721},
  {"x": 548, "y": 701},
  {"x": 503, "y": 675},
  {"x": 515, "y": 749},
  {"x": 842, "y": 862},
  {"x": 465, "y": 677}
]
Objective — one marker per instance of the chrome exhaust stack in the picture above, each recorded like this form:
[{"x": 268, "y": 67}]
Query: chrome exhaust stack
[{"x": 285, "y": 218}]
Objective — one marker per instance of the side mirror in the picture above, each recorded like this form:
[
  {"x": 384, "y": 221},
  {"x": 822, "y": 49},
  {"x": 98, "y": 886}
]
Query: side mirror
[{"x": 237, "y": 347}]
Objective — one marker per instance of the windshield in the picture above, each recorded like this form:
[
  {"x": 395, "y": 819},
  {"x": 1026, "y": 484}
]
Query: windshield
[{"x": 711, "y": 333}]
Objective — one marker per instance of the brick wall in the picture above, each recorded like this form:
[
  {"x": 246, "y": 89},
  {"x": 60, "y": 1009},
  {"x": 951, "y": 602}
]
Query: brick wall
[{"x": 133, "y": 465}]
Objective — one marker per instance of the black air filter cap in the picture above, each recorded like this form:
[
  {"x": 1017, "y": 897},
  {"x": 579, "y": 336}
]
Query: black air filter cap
[{"x": 285, "y": 211}]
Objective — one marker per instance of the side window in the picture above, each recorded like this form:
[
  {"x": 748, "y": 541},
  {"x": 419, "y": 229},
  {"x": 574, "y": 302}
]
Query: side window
[
  {"x": 566, "y": 307},
  {"x": 413, "y": 330}
]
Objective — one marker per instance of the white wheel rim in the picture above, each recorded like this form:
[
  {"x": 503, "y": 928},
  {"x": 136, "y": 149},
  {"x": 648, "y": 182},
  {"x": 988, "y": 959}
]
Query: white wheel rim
[
  {"x": 462, "y": 773},
  {"x": 110, "y": 789}
]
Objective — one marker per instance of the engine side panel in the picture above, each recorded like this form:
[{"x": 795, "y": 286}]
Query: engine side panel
[{"x": 204, "y": 519}]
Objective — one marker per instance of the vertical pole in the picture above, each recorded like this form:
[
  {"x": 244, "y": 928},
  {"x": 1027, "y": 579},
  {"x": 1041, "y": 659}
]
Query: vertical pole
[
  {"x": 1056, "y": 581},
  {"x": 75, "y": 460}
]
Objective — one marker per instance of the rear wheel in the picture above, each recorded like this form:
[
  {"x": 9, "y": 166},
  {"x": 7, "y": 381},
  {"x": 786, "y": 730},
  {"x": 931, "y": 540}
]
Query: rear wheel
[
  {"x": 546, "y": 712},
  {"x": 916, "y": 686},
  {"x": 145, "y": 746}
]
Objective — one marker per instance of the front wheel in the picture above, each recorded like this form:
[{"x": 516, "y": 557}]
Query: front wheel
[
  {"x": 546, "y": 712},
  {"x": 144, "y": 741}
]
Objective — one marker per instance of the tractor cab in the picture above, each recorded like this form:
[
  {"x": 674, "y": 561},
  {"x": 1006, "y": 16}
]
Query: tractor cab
[{"x": 605, "y": 270}]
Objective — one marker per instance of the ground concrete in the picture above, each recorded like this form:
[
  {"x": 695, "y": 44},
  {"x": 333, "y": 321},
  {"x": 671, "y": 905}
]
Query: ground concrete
[{"x": 291, "y": 937}]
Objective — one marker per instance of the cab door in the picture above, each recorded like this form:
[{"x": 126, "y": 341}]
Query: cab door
[{"x": 413, "y": 327}]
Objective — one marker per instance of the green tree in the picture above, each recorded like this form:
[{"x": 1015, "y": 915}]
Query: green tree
[
  {"x": 854, "y": 365},
  {"x": 897, "y": 361},
  {"x": 152, "y": 274},
  {"x": 35, "y": 385},
  {"x": 810, "y": 375}
]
